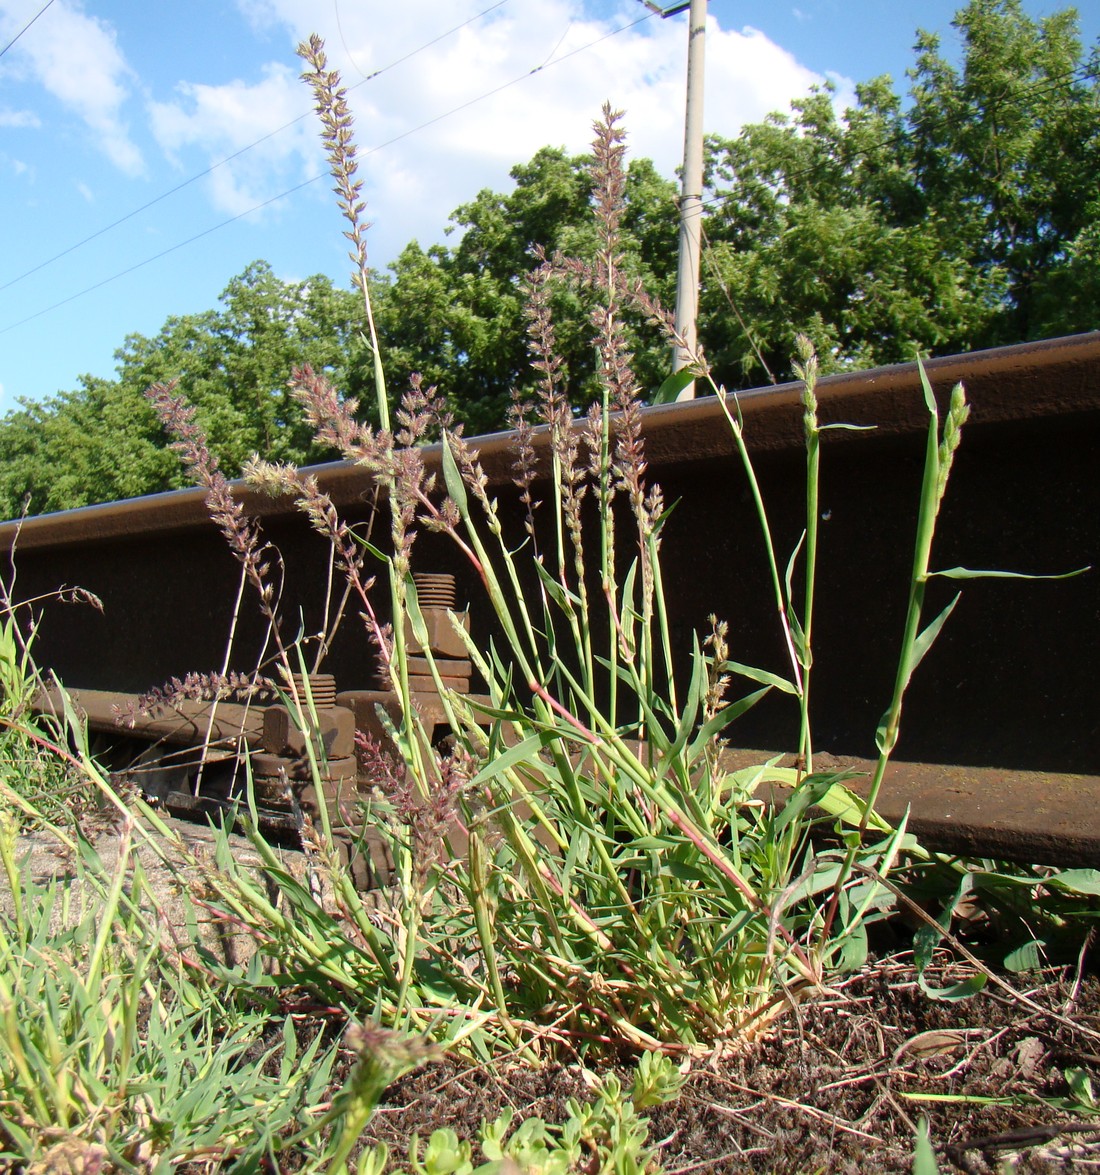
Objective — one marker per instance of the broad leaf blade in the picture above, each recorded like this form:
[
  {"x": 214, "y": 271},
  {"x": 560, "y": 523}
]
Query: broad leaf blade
[
  {"x": 673, "y": 386},
  {"x": 1079, "y": 881},
  {"x": 522, "y": 752},
  {"x": 963, "y": 990},
  {"x": 763, "y": 676},
  {"x": 452, "y": 476},
  {"x": 924, "y": 1156},
  {"x": 812, "y": 790},
  {"x": 721, "y": 720},
  {"x": 1026, "y": 957}
]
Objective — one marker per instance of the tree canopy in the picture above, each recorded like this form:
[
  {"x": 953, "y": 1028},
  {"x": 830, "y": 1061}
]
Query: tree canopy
[
  {"x": 102, "y": 441},
  {"x": 965, "y": 220},
  {"x": 966, "y": 217},
  {"x": 455, "y": 313}
]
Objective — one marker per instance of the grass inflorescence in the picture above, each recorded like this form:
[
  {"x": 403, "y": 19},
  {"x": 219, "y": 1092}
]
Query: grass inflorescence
[
  {"x": 595, "y": 879},
  {"x": 576, "y": 874}
]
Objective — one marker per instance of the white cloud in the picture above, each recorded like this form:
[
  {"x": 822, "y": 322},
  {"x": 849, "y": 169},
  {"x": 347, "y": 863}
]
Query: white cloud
[
  {"x": 223, "y": 119},
  {"x": 454, "y": 134},
  {"x": 19, "y": 118},
  {"x": 19, "y": 167},
  {"x": 86, "y": 192},
  {"x": 76, "y": 58}
]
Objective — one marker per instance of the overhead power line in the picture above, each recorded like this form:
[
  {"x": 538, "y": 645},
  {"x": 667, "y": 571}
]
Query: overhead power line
[
  {"x": 1038, "y": 88},
  {"x": 306, "y": 183},
  {"x": 25, "y": 27},
  {"x": 156, "y": 256},
  {"x": 236, "y": 154}
]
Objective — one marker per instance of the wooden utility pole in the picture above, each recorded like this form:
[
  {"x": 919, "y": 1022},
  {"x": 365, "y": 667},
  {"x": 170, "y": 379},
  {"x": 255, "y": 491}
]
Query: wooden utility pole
[
  {"x": 691, "y": 192},
  {"x": 691, "y": 195}
]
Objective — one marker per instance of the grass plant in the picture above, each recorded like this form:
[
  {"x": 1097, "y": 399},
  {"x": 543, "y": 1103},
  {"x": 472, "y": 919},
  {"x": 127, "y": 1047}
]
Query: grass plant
[
  {"x": 115, "y": 1054},
  {"x": 593, "y": 877},
  {"x": 576, "y": 874},
  {"x": 36, "y": 786}
]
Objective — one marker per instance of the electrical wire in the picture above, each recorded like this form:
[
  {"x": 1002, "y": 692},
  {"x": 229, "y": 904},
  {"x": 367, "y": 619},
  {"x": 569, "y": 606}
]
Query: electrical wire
[
  {"x": 25, "y": 27},
  {"x": 313, "y": 179},
  {"x": 557, "y": 46},
  {"x": 157, "y": 256},
  {"x": 1038, "y": 89}
]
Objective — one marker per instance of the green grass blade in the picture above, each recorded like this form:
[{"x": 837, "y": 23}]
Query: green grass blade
[{"x": 967, "y": 573}]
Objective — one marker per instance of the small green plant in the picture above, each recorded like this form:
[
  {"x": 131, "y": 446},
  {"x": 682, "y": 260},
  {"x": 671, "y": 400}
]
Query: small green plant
[
  {"x": 924, "y": 1154},
  {"x": 112, "y": 1051},
  {"x": 578, "y": 867},
  {"x": 35, "y": 785},
  {"x": 575, "y": 869},
  {"x": 1023, "y": 917},
  {"x": 606, "y": 1136}
]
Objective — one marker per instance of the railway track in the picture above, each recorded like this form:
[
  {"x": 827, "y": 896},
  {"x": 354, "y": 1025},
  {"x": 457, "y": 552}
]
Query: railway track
[{"x": 1000, "y": 748}]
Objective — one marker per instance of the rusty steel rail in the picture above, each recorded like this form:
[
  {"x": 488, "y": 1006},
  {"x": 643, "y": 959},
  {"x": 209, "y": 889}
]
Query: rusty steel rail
[
  {"x": 1008, "y": 385},
  {"x": 1001, "y": 729}
]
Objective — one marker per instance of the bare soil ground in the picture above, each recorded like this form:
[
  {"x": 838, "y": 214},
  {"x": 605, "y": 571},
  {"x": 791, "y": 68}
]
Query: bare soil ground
[{"x": 832, "y": 1090}]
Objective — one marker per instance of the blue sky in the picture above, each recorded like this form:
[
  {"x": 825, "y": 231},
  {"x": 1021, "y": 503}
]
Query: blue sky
[{"x": 112, "y": 110}]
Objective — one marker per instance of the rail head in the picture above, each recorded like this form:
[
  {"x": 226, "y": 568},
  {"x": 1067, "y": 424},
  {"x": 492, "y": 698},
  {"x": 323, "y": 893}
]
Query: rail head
[{"x": 1054, "y": 377}]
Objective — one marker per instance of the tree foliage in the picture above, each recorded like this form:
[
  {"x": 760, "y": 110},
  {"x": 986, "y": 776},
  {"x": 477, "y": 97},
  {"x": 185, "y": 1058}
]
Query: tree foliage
[
  {"x": 968, "y": 217},
  {"x": 455, "y": 314},
  {"x": 1011, "y": 143},
  {"x": 101, "y": 441},
  {"x": 966, "y": 220}
]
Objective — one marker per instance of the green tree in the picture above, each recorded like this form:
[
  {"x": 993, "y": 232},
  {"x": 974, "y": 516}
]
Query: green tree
[
  {"x": 819, "y": 226},
  {"x": 1009, "y": 145},
  {"x": 101, "y": 441},
  {"x": 964, "y": 221},
  {"x": 94, "y": 444},
  {"x": 455, "y": 313},
  {"x": 235, "y": 362}
]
